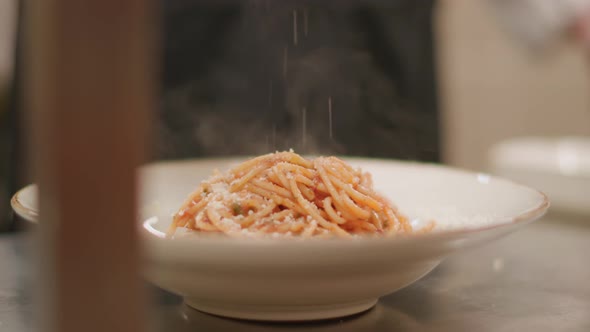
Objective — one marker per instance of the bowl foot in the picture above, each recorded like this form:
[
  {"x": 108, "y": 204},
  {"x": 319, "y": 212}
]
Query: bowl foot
[{"x": 281, "y": 313}]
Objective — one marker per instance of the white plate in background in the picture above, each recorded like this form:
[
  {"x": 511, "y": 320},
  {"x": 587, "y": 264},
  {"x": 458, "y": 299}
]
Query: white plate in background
[{"x": 560, "y": 167}]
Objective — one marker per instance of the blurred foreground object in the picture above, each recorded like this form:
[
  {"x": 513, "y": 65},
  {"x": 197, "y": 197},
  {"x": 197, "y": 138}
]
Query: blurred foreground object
[
  {"x": 89, "y": 89},
  {"x": 7, "y": 114},
  {"x": 541, "y": 23}
]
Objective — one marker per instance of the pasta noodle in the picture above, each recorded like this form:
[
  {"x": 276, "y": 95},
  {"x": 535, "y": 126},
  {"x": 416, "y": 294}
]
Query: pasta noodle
[{"x": 285, "y": 194}]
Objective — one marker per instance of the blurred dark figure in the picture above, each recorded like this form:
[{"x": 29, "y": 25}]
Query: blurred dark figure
[{"x": 330, "y": 77}]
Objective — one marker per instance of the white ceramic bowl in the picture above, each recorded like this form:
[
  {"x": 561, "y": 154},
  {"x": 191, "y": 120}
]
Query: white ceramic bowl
[
  {"x": 275, "y": 279},
  {"x": 559, "y": 166}
]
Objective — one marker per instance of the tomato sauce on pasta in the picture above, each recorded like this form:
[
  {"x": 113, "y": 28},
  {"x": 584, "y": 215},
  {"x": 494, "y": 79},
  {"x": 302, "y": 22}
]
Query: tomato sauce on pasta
[{"x": 284, "y": 194}]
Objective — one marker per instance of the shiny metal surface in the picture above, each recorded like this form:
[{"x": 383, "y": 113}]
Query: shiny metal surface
[{"x": 537, "y": 279}]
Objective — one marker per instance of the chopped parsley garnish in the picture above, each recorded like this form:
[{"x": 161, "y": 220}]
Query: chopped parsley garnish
[
  {"x": 236, "y": 209},
  {"x": 206, "y": 191}
]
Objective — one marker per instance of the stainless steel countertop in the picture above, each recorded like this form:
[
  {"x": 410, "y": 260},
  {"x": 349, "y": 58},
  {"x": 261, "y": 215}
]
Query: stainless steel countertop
[{"x": 537, "y": 279}]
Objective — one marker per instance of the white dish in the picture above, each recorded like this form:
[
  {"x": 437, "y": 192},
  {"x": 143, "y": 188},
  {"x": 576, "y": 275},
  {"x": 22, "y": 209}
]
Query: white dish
[
  {"x": 558, "y": 166},
  {"x": 275, "y": 279}
]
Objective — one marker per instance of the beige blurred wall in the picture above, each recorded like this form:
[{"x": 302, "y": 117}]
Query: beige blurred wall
[{"x": 492, "y": 89}]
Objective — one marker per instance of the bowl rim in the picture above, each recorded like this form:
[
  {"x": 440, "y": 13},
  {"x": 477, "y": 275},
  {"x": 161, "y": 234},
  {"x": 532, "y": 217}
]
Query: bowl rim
[{"x": 524, "y": 217}]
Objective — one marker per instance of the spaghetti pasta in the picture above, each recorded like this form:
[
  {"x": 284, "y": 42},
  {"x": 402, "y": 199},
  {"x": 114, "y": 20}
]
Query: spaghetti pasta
[{"x": 285, "y": 194}]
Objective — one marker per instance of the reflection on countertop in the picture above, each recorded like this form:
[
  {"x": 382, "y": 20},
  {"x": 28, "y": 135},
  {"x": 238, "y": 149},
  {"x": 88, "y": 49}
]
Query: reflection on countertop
[{"x": 382, "y": 317}]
